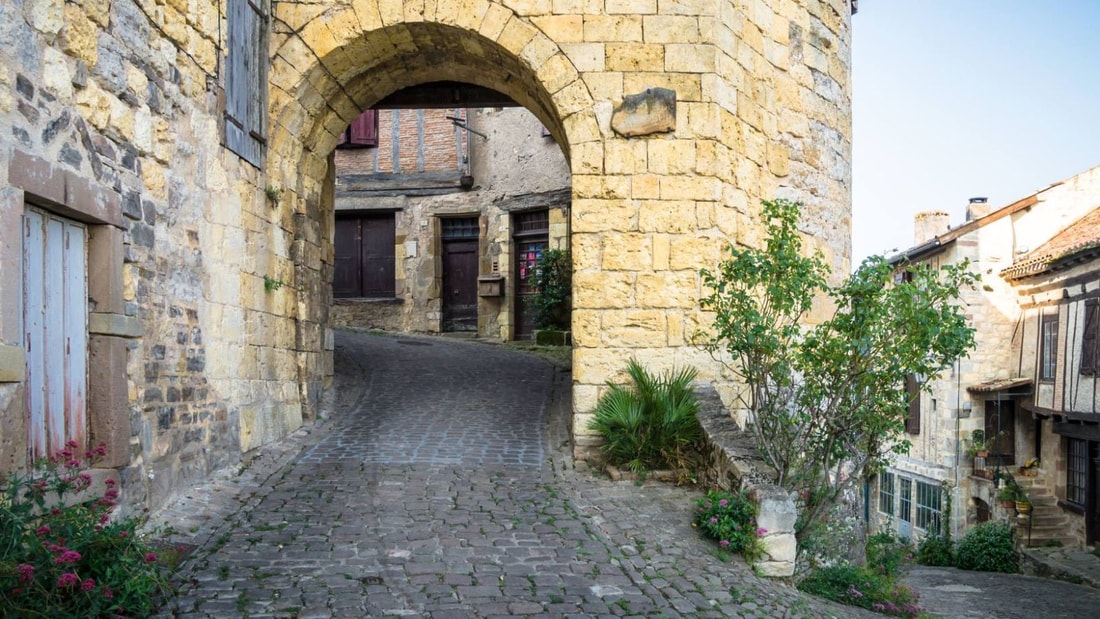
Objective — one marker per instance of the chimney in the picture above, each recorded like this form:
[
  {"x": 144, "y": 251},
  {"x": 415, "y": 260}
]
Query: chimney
[
  {"x": 977, "y": 208},
  {"x": 928, "y": 225}
]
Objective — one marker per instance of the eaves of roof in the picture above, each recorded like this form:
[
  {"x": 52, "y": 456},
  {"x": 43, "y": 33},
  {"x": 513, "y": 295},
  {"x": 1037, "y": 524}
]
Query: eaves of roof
[{"x": 940, "y": 243}]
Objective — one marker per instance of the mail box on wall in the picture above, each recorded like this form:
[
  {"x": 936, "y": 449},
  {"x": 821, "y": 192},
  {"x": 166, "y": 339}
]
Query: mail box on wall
[{"x": 490, "y": 286}]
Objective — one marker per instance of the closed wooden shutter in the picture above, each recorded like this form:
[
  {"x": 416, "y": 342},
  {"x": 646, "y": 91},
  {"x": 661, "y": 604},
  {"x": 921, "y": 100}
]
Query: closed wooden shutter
[
  {"x": 912, "y": 420},
  {"x": 364, "y": 130},
  {"x": 378, "y": 257},
  {"x": 246, "y": 80},
  {"x": 347, "y": 273}
]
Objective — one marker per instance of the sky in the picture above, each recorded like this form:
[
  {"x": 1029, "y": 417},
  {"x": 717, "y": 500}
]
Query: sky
[{"x": 953, "y": 99}]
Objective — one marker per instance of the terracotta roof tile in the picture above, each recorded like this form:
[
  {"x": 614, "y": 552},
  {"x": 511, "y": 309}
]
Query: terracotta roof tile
[{"x": 1077, "y": 237}]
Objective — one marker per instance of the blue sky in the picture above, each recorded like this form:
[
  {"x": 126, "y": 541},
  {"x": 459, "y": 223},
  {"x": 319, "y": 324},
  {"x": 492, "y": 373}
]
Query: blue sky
[{"x": 960, "y": 98}]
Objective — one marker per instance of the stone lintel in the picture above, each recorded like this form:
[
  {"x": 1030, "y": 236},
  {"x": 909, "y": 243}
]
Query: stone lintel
[
  {"x": 13, "y": 364},
  {"x": 65, "y": 191},
  {"x": 114, "y": 324}
]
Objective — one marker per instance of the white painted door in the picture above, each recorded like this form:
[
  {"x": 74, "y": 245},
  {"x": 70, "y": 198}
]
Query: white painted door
[{"x": 55, "y": 316}]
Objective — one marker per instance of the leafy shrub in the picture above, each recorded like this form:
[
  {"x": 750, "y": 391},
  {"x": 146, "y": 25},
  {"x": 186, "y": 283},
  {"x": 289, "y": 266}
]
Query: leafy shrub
[
  {"x": 553, "y": 282},
  {"x": 730, "y": 519},
  {"x": 61, "y": 558},
  {"x": 886, "y": 553},
  {"x": 988, "y": 547},
  {"x": 856, "y": 585},
  {"x": 651, "y": 424},
  {"x": 936, "y": 550}
]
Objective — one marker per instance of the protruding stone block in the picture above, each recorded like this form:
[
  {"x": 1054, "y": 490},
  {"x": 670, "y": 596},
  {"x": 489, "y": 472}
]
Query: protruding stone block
[{"x": 646, "y": 113}]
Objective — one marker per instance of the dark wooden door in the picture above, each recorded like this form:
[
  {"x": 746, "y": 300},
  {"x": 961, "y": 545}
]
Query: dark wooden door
[{"x": 460, "y": 285}]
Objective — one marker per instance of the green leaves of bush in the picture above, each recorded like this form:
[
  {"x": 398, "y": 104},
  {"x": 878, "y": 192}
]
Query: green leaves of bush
[
  {"x": 730, "y": 519},
  {"x": 988, "y": 547},
  {"x": 650, "y": 424}
]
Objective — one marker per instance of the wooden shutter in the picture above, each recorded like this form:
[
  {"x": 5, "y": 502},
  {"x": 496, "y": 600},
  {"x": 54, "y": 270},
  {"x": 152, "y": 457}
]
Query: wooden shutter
[
  {"x": 912, "y": 420},
  {"x": 246, "y": 80},
  {"x": 364, "y": 129},
  {"x": 347, "y": 275},
  {"x": 378, "y": 257},
  {"x": 1088, "y": 338}
]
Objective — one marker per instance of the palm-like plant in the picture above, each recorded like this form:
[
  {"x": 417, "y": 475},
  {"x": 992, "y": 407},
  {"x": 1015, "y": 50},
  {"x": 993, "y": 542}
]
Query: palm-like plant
[{"x": 651, "y": 423}]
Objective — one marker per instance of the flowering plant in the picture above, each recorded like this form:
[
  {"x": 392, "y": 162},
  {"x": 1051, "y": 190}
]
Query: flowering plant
[
  {"x": 731, "y": 520},
  {"x": 62, "y": 554}
]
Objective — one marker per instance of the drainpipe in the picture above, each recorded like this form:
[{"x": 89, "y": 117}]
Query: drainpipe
[{"x": 958, "y": 450}]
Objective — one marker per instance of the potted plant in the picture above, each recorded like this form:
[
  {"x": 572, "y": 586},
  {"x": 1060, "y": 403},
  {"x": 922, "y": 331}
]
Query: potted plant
[
  {"x": 979, "y": 446},
  {"x": 1023, "y": 502},
  {"x": 1007, "y": 496},
  {"x": 1030, "y": 468}
]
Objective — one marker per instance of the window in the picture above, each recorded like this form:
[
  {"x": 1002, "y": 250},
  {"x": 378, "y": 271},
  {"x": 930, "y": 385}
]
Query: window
[
  {"x": 1076, "y": 470},
  {"x": 912, "y": 391},
  {"x": 928, "y": 507},
  {"x": 1000, "y": 432},
  {"x": 1089, "y": 337},
  {"x": 905, "y": 500},
  {"x": 886, "y": 493},
  {"x": 361, "y": 133},
  {"x": 1048, "y": 346},
  {"x": 55, "y": 315},
  {"x": 364, "y": 257},
  {"x": 246, "y": 79}
]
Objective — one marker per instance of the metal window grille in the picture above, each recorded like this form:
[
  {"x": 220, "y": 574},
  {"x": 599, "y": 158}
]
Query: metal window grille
[{"x": 459, "y": 228}]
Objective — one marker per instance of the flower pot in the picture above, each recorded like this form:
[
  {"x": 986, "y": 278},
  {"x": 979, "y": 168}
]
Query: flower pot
[
  {"x": 1008, "y": 503},
  {"x": 981, "y": 454},
  {"x": 1023, "y": 508}
]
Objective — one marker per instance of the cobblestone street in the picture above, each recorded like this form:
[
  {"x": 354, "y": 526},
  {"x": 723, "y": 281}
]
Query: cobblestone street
[{"x": 443, "y": 487}]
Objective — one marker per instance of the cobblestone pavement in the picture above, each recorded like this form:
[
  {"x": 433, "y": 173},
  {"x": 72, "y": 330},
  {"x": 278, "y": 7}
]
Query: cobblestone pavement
[{"x": 442, "y": 487}]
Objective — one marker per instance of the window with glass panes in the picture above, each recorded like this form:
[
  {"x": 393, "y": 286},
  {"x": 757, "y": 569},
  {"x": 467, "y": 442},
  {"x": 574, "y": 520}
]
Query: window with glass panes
[
  {"x": 1048, "y": 354},
  {"x": 928, "y": 507},
  {"x": 1076, "y": 470},
  {"x": 886, "y": 493},
  {"x": 905, "y": 499}
]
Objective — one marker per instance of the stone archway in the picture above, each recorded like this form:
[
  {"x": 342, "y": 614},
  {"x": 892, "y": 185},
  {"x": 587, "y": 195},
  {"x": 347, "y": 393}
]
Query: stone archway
[{"x": 762, "y": 108}]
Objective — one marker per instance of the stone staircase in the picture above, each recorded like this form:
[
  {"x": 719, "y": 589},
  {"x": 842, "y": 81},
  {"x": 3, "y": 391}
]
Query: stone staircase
[{"x": 1048, "y": 523}]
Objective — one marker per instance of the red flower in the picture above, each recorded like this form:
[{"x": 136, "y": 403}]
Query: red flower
[
  {"x": 109, "y": 482},
  {"x": 69, "y": 556},
  {"x": 107, "y": 593},
  {"x": 25, "y": 571},
  {"x": 88, "y": 584},
  {"x": 68, "y": 579},
  {"x": 150, "y": 557},
  {"x": 42, "y": 530}
]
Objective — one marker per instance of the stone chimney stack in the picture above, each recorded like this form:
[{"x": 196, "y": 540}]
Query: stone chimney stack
[
  {"x": 929, "y": 224},
  {"x": 977, "y": 208}
]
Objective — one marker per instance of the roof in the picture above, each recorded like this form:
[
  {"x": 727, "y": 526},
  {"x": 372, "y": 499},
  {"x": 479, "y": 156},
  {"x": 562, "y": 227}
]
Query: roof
[
  {"x": 1076, "y": 242},
  {"x": 938, "y": 243},
  {"x": 998, "y": 384}
]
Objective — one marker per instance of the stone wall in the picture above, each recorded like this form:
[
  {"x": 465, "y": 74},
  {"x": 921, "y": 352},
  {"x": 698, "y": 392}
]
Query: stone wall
[{"x": 215, "y": 274}]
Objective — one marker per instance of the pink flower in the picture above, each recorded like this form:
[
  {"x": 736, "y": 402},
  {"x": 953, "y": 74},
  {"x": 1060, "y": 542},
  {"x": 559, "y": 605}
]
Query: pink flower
[
  {"x": 109, "y": 482},
  {"x": 68, "y": 556},
  {"x": 761, "y": 532},
  {"x": 107, "y": 593},
  {"x": 25, "y": 571},
  {"x": 71, "y": 444},
  {"x": 88, "y": 584},
  {"x": 150, "y": 557},
  {"x": 723, "y": 503},
  {"x": 111, "y": 493},
  {"x": 123, "y": 534},
  {"x": 713, "y": 520},
  {"x": 724, "y": 543},
  {"x": 68, "y": 579},
  {"x": 42, "y": 530}
]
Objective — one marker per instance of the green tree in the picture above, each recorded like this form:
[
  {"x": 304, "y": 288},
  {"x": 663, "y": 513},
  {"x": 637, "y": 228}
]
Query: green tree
[
  {"x": 553, "y": 282},
  {"x": 827, "y": 403}
]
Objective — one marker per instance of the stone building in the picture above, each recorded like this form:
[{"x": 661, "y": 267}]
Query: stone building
[
  {"x": 996, "y": 389},
  {"x": 176, "y": 158},
  {"x": 468, "y": 199}
]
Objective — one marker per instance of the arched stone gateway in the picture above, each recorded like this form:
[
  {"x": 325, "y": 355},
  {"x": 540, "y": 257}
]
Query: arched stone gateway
[{"x": 208, "y": 208}]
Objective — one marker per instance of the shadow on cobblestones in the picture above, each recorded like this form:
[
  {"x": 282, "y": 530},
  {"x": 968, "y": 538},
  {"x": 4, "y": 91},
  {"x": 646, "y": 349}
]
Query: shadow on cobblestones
[{"x": 442, "y": 486}]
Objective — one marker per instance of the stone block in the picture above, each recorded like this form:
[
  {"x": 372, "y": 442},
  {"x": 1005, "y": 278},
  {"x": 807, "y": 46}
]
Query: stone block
[
  {"x": 633, "y": 56},
  {"x": 561, "y": 28},
  {"x": 13, "y": 364},
  {"x": 105, "y": 260},
  {"x": 114, "y": 324},
  {"x": 602, "y": 289},
  {"x": 634, "y": 328},
  {"x": 677, "y": 289},
  {"x": 611, "y": 28},
  {"x": 627, "y": 251},
  {"x": 586, "y": 57},
  {"x": 108, "y": 398}
]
